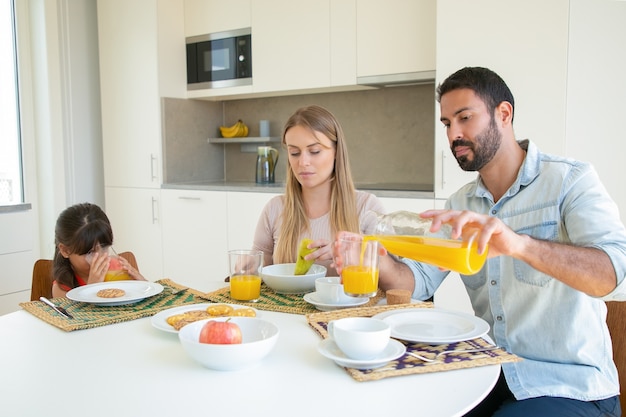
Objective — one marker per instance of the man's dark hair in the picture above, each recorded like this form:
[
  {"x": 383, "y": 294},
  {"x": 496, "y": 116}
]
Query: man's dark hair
[{"x": 485, "y": 83}]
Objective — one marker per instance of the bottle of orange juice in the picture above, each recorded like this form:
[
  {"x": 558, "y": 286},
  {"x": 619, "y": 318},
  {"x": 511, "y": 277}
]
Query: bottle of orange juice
[{"x": 408, "y": 235}]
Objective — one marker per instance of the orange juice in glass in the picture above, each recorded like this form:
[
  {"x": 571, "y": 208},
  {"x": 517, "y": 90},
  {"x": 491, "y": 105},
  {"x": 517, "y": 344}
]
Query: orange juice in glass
[
  {"x": 116, "y": 272},
  {"x": 245, "y": 274},
  {"x": 245, "y": 287},
  {"x": 359, "y": 273}
]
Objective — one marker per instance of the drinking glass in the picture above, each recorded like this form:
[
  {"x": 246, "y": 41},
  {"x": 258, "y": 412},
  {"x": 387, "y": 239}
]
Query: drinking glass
[
  {"x": 245, "y": 274},
  {"x": 359, "y": 272}
]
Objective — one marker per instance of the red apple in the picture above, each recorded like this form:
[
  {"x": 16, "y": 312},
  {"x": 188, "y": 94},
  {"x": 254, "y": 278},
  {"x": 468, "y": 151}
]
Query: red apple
[{"x": 220, "y": 333}]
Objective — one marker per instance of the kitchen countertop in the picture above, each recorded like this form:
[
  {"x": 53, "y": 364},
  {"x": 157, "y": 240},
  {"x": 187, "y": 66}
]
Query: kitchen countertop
[{"x": 380, "y": 190}]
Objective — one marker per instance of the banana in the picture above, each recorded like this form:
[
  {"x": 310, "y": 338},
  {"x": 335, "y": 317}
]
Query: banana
[
  {"x": 237, "y": 130},
  {"x": 302, "y": 266}
]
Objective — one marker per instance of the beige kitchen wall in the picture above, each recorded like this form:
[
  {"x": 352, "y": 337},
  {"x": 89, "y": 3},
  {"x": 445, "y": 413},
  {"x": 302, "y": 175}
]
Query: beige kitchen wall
[{"x": 389, "y": 133}]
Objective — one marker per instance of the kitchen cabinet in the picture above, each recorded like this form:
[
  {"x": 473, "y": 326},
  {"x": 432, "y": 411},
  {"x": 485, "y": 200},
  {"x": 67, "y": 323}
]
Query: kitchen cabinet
[
  {"x": 415, "y": 205},
  {"x": 141, "y": 59},
  {"x": 531, "y": 57},
  {"x": 317, "y": 50},
  {"x": 290, "y": 53},
  {"x": 136, "y": 221},
  {"x": 203, "y": 17},
  {"x": 194, "y": 231},
  {"x": 395, "y": 37},
  {"x": 244, "y": 210},
  {"x": 16, "y": 259}
]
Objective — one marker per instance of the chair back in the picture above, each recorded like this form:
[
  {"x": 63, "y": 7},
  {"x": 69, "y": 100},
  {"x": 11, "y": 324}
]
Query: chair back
[
  {"x": 616, "y": 321},
  {"x": 42, "y": 276}
]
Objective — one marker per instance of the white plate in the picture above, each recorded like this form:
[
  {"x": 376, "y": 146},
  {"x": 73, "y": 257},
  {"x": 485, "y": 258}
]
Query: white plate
[
  {"x": 394, "y": 350},
  {"x": 432, "y": 325},
  {"x": 159, "y": 320},
  {"x": 135, "y": 291},
  {"x": 311, "y": 298}
]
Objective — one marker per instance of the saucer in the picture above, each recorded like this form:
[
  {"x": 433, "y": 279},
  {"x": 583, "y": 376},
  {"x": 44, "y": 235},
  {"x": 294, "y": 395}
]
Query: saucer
[
  {"x": 311, "y": 298},
  {"x": 394, "y": 350}
]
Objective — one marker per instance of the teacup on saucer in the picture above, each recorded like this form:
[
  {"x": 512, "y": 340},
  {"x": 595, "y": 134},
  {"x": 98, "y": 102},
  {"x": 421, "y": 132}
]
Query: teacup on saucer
[{"x": 329, "y": 349}]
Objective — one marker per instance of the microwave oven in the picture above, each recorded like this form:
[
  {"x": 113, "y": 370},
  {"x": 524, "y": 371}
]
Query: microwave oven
[{"x": 219, "y": 60}]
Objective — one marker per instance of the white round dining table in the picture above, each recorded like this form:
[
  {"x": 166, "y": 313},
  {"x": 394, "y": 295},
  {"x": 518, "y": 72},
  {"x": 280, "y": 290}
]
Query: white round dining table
[{"x": 134, "y": 369}]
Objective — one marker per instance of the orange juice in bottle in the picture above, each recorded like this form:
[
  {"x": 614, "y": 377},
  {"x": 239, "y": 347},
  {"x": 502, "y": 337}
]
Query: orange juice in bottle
[{"x": 407, "y": 235}]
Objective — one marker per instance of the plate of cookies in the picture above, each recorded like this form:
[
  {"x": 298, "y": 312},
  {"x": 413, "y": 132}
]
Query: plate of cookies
[
  {"x": 174, "y": 319},
  {"x": 114, "y": 293}
]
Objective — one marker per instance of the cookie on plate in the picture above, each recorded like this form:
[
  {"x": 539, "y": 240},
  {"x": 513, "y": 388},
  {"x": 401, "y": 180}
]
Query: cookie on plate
[{"x": 111, "y": 293}]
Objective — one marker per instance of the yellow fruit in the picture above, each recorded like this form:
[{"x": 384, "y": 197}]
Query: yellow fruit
[
  {"x": 237, "y": 130},
  {"x": 302, "y": 266}
]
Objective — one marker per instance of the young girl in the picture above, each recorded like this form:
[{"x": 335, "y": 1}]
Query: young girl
[
  {"x": 320, "y": 198},
  {"x": 82, "y": 237}
]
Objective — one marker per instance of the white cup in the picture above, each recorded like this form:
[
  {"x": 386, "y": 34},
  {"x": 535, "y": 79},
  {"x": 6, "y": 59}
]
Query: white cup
[
  {"x": 264, "y": 128},
  {"x": 329, "y": 290},
  {"x": 360, "y": 338}
]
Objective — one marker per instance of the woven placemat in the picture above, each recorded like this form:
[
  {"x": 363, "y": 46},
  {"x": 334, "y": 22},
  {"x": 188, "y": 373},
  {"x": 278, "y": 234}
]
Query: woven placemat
[
  {"x": 87, "y": 316},
  {"x": 272, "y": 301},
  {"x": 409, "y": 365}
]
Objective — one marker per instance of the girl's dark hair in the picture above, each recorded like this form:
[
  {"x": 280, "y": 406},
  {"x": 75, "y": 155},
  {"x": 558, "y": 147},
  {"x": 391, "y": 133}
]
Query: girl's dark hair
[
  {"x": 80, "y": 228},
  {"x": 486, "y": 84}
]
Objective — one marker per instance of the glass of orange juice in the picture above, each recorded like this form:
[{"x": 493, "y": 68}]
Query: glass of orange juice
[
  {"x": 245, "y": 274},
  {"x": 359, "y": 273}
]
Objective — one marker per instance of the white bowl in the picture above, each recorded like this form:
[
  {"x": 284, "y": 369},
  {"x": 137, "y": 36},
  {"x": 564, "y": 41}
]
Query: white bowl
[
  {"x": 281, "y": 279},
  {"x": 258, "y": 339}
]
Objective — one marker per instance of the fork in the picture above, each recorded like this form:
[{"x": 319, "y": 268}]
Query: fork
[{"x": 445, "y": 352}]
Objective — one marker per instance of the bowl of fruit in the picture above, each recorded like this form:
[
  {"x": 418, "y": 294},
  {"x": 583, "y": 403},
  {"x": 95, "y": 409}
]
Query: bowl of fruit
[{"x": 229, "y": 343}]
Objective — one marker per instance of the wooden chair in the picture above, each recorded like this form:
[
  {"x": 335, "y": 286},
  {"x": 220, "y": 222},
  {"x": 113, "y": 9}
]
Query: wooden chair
[
  {"x": 616, "y": 321},
  {"x": 42, "y": 276}
]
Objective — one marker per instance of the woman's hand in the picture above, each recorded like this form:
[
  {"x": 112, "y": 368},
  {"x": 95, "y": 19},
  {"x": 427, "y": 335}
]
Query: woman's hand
[{"x": 323, "y": 252}]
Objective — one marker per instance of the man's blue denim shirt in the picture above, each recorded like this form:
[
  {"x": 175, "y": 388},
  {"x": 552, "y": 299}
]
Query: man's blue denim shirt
[{"x": 560, "y": 333}]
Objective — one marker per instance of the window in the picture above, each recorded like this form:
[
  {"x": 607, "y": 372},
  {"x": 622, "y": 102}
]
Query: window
[{"x": 11, "y": 190}]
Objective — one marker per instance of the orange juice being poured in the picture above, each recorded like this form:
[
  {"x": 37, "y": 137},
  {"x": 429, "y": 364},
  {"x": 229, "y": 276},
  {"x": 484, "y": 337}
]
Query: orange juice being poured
[{"x": 407, "y": 235}]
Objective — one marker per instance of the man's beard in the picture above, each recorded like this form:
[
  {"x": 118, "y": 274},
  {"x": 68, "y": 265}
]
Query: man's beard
[{"x": 484, "y": 148}]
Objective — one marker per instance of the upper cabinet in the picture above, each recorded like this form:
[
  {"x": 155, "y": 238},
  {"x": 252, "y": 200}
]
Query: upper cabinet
[
  {"x": 396, "y": 37},
  {"x": 526, "y": 43},
  {"x": 328, "y": 47},
  {"x": 290, "y": 45},
  {"x": 210, "y": 16}
]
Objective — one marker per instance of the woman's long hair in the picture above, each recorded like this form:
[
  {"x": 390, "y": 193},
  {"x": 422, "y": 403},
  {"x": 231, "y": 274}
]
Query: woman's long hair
[
  {"x": 80, "y": 228},
  {"x": 343, "y": 210}
]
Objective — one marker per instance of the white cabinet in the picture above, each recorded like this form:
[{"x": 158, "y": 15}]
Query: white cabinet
[
  {"x": 290, "y": 45},
  {"x": 194, "y": 237},
  {"x": 209, "y": 16},
  {"x": 415, "y": 205},
  {"x": 531, "y": 57},
  {"x": 16, "y": 259},
  {"x": 244, "y": 210},
  {"x": 136, "y": 223},
  {"x": 395, "y": 37},
  {"x": 141, "y": 59}
]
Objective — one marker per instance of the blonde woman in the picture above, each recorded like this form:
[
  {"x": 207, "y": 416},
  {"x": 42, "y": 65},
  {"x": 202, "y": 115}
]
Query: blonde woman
[{"x": 320, "y": 198}]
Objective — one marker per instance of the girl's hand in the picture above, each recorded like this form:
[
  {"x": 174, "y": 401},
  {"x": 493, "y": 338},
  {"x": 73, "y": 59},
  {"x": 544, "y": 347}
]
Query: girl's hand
[
  {"x": 134, "y": 273},
  {"x": 98, "y": 268}
]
